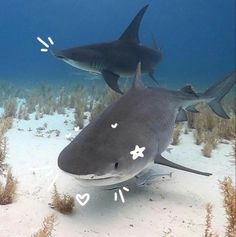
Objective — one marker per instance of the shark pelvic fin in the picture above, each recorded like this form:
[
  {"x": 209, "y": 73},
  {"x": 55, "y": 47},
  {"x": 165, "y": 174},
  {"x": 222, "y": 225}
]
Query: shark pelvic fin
[
  {"x": 151, "y": 75},
  {"x": 163, "y": 161},
  {"x": 137, "y": 83},
  {"x": 112, "y": 80},
  {"x": 181, "y": 116},
  {"x": 192, "y": 109},
  {"x": 132, "y": 31}
]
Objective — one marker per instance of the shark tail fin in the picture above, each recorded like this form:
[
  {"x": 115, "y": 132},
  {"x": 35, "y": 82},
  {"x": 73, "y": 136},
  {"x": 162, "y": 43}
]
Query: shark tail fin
[
  {"x": 218, "y": 91},
  {"x": 163, "y": 161}
]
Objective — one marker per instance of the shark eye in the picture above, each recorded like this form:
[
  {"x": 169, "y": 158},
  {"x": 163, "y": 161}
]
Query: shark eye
[{"x": 116, "y": 165}]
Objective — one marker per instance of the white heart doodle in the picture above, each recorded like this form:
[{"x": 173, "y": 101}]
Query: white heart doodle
[
  {"x": 82, "y": 198},
  {"x": 114, "y": 125}
]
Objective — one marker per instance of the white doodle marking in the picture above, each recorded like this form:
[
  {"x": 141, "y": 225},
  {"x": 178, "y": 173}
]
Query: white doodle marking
[
  {"x": 137, "y": 152},
  {"x": 120, "y": 194},
  {"x": 126, "y": 189},
  {"x": 114, "y": 125},
  {"x": 50, "y": 40},
  {"x": 44, "y": 50},
  {"x": 53, "y": 182},
  {"x": 83, "y": 198},
  {"x": 42, "y": 42},
  {"x": 115, "y": 196}
]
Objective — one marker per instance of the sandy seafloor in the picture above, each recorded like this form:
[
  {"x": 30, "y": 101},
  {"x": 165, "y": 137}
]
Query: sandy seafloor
[{"x": 171, "y": 206}]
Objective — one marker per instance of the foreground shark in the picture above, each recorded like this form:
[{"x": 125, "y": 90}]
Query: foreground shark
[
  {"x": 116, "y": 58},
  {"x": 143, "y": 118}
]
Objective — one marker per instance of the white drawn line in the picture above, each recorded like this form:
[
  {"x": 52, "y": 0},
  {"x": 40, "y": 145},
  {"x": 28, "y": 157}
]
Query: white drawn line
[
  {"x": 50, "y": 40},
  {"x": 115, "y": 196},
  {"x": 42, "y": 42},
  {"x": 53, "y": 182},
  {"x": 121, "y": 196},
  {"x": 44, "y": 50},
  {"x": 49, "y": 173},
  {"x": 126, "y": 189}
]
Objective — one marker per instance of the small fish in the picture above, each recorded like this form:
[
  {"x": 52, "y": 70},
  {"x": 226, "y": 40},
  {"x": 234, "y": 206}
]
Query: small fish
[{"x": 100, "y": 155}]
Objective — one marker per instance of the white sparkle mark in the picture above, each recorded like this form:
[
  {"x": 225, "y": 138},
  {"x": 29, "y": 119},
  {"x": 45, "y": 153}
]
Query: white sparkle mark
[
  {"x": 53, "y": 182},
  {"x": 44, "y": 50},
  {"x": 50, "y": 40},
  {"x": 115, "y": 196},
  {"x": 137, "y": 152},
  {"x": 42, "y": 42},
  {"x": 121, "y": 196},
  {"x": 126, "y": 189}
]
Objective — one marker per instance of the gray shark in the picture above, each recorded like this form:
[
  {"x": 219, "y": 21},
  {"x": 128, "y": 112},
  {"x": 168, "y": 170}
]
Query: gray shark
[
  {"x": 143, "y": 120},
  {"x": 116, "y": 58}
]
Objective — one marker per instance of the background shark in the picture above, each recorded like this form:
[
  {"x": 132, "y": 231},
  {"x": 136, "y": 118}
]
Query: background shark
[
  {"x": 101, "y": 155},
  {"x": 116, "y": 58}
]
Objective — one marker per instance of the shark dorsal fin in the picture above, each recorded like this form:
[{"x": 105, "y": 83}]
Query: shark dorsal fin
[
  {"x": 132, "y": 31},
  {"x": 137, "y": 84},
  {"x": 188, "y": 89}
]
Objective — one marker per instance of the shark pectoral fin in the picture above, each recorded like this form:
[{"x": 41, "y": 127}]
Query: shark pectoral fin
[
  {"x": 111, "y": 80},
  {"x": 181, "y": 116},
  {"x": 163, "y": 161},
  {"x": 192, "y": 109},
  {"x": 151, "y": 74}
]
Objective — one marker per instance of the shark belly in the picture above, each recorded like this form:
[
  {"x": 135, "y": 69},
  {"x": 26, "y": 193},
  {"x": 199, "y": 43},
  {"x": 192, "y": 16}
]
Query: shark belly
[{"x": 83, "y": 66}]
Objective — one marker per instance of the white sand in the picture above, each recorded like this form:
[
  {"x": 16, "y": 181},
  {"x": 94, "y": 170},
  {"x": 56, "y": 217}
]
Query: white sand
[{"x": 169, "y": 207}]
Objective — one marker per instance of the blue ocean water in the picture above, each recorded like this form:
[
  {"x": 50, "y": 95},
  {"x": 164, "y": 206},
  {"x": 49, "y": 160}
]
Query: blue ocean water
[{"x": 197, "y": 37}]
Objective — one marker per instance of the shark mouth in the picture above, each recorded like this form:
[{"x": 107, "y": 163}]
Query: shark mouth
[
  {"x": 57, "y": 54},
  {"x": 94, "y": 180},
  {"x": 96, "y": 177}
]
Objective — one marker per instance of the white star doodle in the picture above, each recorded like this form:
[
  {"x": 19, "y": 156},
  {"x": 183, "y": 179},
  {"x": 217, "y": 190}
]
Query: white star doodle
[{"x": 137, "y": 152}]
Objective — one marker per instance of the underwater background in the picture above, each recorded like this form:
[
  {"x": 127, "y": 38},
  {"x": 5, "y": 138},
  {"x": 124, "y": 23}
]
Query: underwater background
[
  {"x": 46, "y": 103},
  {"x": 197, "y": 37}
]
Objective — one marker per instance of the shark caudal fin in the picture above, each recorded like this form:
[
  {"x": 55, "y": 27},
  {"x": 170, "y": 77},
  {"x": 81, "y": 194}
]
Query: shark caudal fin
[
  {"x": 163, "y": 161},
  {"x": 132, "y": 31},
  {"x": 218, "y": 91}
]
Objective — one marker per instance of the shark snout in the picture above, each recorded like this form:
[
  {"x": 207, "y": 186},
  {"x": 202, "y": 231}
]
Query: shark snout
[
  {"x": 67, "y": 163},
  {"x": 58, "y": 53}
]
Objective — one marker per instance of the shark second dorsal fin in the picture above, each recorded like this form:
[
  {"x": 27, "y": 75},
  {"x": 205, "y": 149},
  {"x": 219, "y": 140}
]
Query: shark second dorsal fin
[
  {"x": 188, "y": 89},
  {"x": 137, "y": 83},
  {"x": 132, "y": 31}
]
